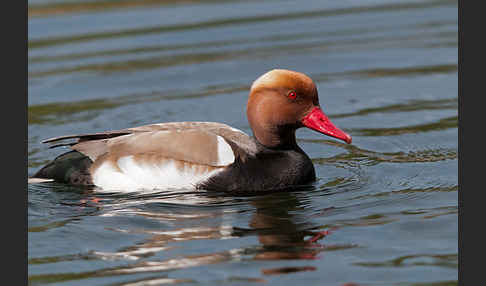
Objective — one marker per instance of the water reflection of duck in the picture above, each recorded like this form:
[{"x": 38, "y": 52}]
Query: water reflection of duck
[
  {"x": 282, "y": 235},
  {"x": 205, "y": 155}
]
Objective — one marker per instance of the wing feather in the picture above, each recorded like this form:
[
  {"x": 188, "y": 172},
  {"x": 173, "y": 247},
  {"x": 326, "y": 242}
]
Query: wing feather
[{"x": 195, "y": 142}]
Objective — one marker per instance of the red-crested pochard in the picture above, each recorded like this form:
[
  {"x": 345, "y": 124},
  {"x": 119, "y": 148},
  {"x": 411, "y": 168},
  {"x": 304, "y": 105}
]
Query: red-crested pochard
[{"x": 205, "y": 155}]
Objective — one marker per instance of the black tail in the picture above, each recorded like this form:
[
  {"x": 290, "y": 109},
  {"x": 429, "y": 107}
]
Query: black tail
[{"x": 71, "y": 168}]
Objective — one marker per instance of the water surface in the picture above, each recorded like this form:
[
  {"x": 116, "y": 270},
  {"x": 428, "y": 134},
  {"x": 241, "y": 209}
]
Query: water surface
[{"x": 384, "y": 209}]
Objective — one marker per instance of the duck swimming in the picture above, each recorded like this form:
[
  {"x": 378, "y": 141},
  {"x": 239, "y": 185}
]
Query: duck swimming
[{"x": 204, "y": 155}]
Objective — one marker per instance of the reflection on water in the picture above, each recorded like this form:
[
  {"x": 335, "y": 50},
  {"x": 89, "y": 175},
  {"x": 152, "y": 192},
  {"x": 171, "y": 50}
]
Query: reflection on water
[
  {"x": 383, "y": 210},
  {"x": 61, "y": 7},
  {"x": 276, "y": 221},
  {"x": 279, "y": 237}
]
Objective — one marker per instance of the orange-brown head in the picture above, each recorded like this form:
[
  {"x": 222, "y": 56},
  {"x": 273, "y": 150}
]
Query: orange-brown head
[{"x": 282, "y": 101}]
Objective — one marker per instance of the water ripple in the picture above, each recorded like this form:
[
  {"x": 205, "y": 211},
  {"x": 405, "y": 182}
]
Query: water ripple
[
  {"x": 356, "y": 156},
  {"x": 41, "y": 43},
  {"x": 441, "y": 260}
]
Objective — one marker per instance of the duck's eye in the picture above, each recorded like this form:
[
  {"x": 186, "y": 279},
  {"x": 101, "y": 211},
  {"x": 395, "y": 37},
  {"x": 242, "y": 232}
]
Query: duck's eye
[{"x": 292, "y": 95}]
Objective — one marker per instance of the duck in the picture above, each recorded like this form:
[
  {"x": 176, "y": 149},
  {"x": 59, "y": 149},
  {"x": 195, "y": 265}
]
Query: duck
[{"x": 207, "y": 156}]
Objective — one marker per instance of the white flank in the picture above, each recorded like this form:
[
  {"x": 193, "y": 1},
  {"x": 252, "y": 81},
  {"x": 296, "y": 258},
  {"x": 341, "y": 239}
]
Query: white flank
[
  {"x": 225, "y": 153},
  {"x": 134, "y": 175}
]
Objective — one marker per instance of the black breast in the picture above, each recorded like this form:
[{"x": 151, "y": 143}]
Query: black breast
[{"x": 267, "y": 170}]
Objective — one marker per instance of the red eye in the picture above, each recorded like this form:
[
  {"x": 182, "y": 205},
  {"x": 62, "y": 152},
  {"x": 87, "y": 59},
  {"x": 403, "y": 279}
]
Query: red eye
[{"x": 292, "y": 95}]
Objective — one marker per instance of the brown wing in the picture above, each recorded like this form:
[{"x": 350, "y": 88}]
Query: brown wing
[
  {"x": 195, "y": 142},
  {"x": 145, "y": 128}
]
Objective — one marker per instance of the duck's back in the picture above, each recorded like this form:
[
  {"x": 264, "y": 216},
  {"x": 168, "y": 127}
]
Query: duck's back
[{"x": 176, "y": 154}]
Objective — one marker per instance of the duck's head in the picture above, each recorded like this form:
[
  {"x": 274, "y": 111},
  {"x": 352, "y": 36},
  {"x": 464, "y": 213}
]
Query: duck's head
[{"x": 280, "y": 102}]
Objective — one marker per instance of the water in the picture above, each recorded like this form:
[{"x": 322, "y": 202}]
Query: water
[{"x": 383, "y": 211}]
